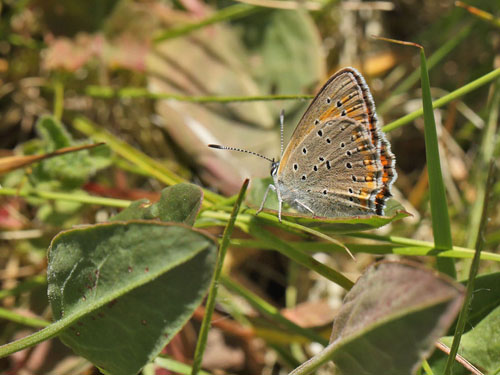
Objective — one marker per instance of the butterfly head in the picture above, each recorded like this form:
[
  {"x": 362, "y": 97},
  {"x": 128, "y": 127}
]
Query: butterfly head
[{"x": 274, "y": 168}]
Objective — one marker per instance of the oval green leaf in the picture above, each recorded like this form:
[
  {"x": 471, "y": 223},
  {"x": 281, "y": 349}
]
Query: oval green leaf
[
  {"x": 390, "y": 321},
  {"x": 127, "y": 288},
  {"x": 180, "y": 203},
  {"x": 481, "y": 345}
]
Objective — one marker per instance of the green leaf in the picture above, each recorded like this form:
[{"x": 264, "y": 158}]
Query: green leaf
[
  {"x": 140, "y": 209},
  {"x": 180, "y": 203},
  {"x": 287, "y": 44},
  {"x": 67, "y": 171},
  {"x": 485, "y": 299},
  {"x": 53, "y": 133},
  {"x": 394, "y": 211},
  {"x": 481, "y": 345},
  {"x": 391, "y": 318},
  {"x": 127, "y": 288},
  {"x": 390, "y": 321},
  {"x": 57, "y": 212}
]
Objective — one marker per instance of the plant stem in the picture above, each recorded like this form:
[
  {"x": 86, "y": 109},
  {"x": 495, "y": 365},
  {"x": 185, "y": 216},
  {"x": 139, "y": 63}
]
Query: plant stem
[{"x": 212, "y": 294}]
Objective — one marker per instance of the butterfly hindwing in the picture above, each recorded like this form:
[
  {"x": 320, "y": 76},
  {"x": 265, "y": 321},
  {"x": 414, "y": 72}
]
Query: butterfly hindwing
[{"x": 336, "y": 169}]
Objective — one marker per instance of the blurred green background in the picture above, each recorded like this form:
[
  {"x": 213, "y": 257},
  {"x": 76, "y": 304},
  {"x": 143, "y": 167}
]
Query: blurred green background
[{"x": 111, "y": 61}]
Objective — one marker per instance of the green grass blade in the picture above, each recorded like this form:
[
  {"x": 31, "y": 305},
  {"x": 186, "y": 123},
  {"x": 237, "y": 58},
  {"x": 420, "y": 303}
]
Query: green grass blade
[
  {"x": 228, "y": 13},
  {"x": 175, "y": 367},
  {"x": 439, "y": 208},
  {"x": 106, "y": 92},
  {"x": 444, "y": 100},
  {"x": 486, "y": 148},
  {"x": 427, "y": 368},
  {"x": 44, "y": 334},
  {"x": 462, "y": 318},
  {"x": 418, "y": 248},
  {"x": 21, "y": 319},
  {"x": 212, "y": 294},
  {"x": 69, "y": 197},
  {"x": 306, "y": 260},
  {"x": 433, "y": 60}
]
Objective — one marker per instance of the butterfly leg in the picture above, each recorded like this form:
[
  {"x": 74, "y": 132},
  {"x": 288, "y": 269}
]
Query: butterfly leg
[
  {"x": 304, "y": 206},
  {"x": 271, "y": 186},
  {"x": 280, "y": 201}
]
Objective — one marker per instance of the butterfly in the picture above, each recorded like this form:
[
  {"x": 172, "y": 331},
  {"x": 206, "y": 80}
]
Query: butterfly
[{"x": 338, "y": 162}]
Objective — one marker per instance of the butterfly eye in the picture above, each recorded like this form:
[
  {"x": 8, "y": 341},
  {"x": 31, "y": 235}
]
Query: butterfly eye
[{"x": 274, "y": 169}]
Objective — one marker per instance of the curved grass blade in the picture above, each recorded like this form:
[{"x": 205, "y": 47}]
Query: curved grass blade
[
  {"x": 304, "y": 259},
  {"x": 471, "y": 86},
  {"x": 486, "y": 153},
  {"x": 439, "y": 208},
  {"x": 106, "y": 92},
  {"x": 10, "y": 163},
  {"x": 212, "y": 294},
  {"x": 229, "y": 13},
  {"x": 70, "y": 197},
  {"x": 462, "y": 319},
  {"x": 433, "y": 60}
]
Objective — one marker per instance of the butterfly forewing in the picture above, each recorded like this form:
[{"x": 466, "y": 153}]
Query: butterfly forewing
[{"x": 341, "y": 95}]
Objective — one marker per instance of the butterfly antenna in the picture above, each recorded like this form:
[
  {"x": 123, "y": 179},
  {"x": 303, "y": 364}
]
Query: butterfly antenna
[
  {"x": 219, "y": 147},
  {"x": 282, "y": 121}
]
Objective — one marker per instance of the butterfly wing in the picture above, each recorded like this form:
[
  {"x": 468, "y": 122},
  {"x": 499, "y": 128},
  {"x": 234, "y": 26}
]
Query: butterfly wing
[
  {"x": 340, "y": 175},
  {"x": 345, "y": 95}
]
